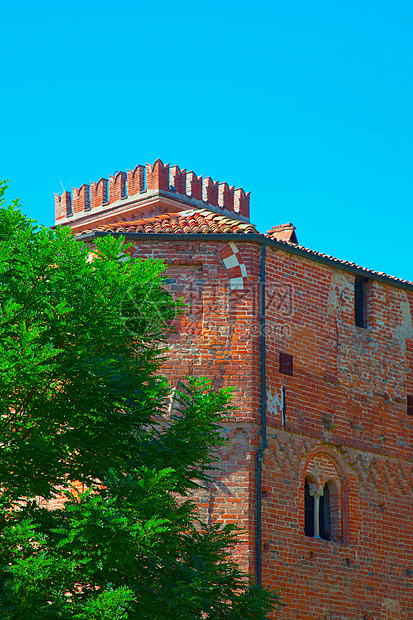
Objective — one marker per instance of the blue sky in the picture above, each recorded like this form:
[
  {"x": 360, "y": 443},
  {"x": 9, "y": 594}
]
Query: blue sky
[{"x": 306, "y": 105}]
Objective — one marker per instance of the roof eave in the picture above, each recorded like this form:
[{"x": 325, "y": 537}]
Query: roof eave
[{"x": 284, "y": 246}]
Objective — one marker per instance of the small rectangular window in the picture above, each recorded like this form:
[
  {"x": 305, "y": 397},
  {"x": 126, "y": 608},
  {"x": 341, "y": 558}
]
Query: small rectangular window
[
  {"x": 286, "y": 364},
  {"x": 410, "y": 405},
  {"x": 360, "y": 302}
]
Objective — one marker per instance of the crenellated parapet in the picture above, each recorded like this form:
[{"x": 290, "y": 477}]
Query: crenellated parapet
[
  {"x": 62, "y": 205},
  {"x": 117, "y": 186},
  {"x": 136, "y": 180},
  {"x": 148, "y": 181},
  {"x": 99, "y": 193},
  {"x": 81, "y": 199}
]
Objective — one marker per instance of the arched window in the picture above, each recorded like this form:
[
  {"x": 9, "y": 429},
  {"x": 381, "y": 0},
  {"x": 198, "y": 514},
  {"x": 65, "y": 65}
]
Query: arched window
[
  {"x": 325, "y": 514},
  {"x": 309, "y": 510},
  {"x": 319, "y": 516},
  {"x": 325, "y": 498}
]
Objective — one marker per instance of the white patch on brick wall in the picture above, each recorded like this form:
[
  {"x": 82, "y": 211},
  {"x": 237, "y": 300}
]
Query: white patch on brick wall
[
  {"x": 231, "y": 261},
  {"x": 391, "y": 610},
  {"x": 273, "y": 403},
  {"x": 340, "y": 287},
  {"x": 405, "y": 329},
  {"x": 236, "y": 284},
  {"x": 234, "y": 265}
]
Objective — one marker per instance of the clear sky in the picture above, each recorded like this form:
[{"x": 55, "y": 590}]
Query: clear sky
[{"x": 308, "y": 105}]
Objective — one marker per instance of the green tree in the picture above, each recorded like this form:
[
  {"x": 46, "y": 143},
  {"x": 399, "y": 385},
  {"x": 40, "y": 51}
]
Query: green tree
[{"x": 82, "y": 402}]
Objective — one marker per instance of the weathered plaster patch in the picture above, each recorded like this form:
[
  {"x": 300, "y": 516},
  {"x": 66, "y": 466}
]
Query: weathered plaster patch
[
  {"x": 273, "y": 403},
  {"x": 339, "y": 287},
  {"x": 392, "y": 610},
  {"x": 405, "y": 329}
]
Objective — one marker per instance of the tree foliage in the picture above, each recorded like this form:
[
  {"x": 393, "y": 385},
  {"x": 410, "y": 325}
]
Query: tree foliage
[{"x": 82, "y": 403}]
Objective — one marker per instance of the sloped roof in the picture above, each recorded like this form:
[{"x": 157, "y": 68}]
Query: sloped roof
[
  {"x": 338, "y": 262},
  {"x": 197, "y": 221},
  {"x": 203, "y": 221}
]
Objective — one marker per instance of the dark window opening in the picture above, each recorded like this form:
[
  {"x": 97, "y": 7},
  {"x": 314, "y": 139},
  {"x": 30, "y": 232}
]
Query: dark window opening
[
  {"x": 309, "y": 511},
  {"x": 325, "y": 514},
  {"x": 409, "y": 405},
  {"x": 317, "y": 507},
  {"x": 286, "y": 364},
  {"x": 360, "y": 302}
]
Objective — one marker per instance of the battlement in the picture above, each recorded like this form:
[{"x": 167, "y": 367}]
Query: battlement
[{"x": 147, "y": 181}]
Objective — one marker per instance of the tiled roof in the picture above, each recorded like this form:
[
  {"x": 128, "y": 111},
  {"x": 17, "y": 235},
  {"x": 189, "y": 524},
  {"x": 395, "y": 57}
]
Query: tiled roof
[
  {"x": 202, "y": 221},
  {"x": 197, "y": 221},
  {"x": 339, "y": 262}
]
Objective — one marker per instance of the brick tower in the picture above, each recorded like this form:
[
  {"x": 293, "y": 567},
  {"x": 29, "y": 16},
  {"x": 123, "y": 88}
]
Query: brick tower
[{"x": 319, "y": 467}]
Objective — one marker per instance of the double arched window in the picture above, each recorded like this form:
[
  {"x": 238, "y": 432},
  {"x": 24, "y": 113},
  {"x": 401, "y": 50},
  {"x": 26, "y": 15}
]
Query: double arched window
[
  {"x": 325, "y": 497},
  {"x": 318, "y": 522}
]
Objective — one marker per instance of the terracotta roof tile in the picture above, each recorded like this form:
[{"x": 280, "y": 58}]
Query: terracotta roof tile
[
  {"x": 339, "y": 261},
  {"x": 199, "y": 221},
  {"x": 202, "y": 221}
]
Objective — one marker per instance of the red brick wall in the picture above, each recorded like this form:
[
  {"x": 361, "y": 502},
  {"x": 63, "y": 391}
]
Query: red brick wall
[
  {"x": 346, "y": 405},
  {"x": 346, "y": 422},
  {"x": 215, "y": 340}
]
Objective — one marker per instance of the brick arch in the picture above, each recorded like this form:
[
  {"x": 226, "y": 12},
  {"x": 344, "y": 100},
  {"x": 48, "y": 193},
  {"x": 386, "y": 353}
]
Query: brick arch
[
  {"x": 236, "y": 271},
  {"x": 333, "y": 455},
  {"x": 234, "y": 265},
  {"x": 324, "y": 465},
  {"x": 231, "y": 258},
  {"x": 131, "y": 251},
  {"x": 323, "y": 468},
  {"x": 310, "y": 479}
]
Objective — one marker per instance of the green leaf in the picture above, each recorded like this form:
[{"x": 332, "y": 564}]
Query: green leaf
[{"x": 82, "y": 418}]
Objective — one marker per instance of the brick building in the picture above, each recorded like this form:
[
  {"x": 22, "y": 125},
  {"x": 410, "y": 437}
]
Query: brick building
[{"x": 319, "y": 467}]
